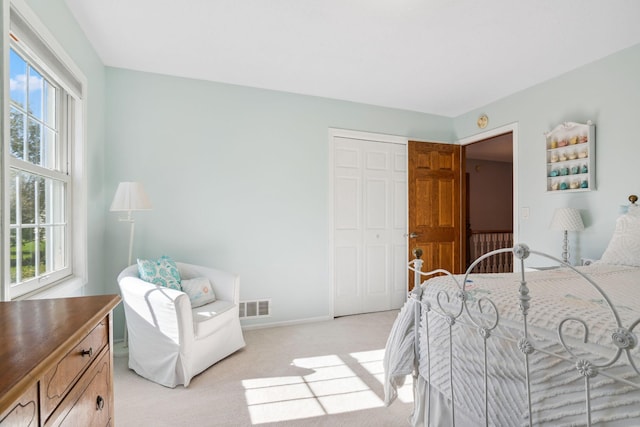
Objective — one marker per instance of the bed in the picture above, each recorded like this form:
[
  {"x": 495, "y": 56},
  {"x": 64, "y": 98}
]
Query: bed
[{"x": 556, "y": 347}]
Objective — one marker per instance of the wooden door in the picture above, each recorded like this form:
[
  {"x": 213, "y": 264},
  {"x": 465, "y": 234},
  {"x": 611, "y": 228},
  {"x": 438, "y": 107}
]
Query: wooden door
[{"x": 435, "y": 205}]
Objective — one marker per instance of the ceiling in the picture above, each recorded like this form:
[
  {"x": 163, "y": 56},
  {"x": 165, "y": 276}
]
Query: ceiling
[{"x": 440, "y": 57}]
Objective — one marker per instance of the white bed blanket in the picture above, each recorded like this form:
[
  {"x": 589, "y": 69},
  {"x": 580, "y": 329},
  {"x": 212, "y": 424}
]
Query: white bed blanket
[
  {"x": 558, "y": 396},
  {"x": 400, "y": 362}
]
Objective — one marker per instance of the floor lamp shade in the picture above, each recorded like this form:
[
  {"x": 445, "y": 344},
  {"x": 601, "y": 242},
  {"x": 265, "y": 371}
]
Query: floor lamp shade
[{"x": 130, "y": 196}]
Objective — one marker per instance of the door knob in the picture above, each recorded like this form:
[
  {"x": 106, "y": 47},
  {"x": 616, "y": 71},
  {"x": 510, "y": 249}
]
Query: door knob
[{"x": 413, "y": 235}]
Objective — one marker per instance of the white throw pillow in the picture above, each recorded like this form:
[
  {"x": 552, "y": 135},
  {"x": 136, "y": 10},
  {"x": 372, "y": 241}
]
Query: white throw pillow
[
  {"x": 199, "y": 290},
  {"x": 624, "y": 247}
]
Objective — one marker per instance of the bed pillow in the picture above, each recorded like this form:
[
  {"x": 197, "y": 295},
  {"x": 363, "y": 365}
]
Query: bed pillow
[
  {"x": 162, "y": 272},
  {"x": 624, "y": 247},
  {"x": 199, "y": 290}
]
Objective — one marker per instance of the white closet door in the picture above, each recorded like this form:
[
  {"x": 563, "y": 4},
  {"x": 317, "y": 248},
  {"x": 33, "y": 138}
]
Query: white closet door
[{"x": 370, "y": 222}]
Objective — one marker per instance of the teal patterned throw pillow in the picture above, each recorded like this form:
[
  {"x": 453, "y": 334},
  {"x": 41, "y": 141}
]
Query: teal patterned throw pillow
[{"x": 162, "y": 271}]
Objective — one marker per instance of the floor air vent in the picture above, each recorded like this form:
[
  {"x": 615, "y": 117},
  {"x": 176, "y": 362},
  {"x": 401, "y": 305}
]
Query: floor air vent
[{"x": 260, "y": 308}]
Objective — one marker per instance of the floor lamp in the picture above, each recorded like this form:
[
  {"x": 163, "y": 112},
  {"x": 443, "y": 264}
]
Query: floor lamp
[
  {"x": 129, "y": 197},
  {"x": 566, "y": 219}
]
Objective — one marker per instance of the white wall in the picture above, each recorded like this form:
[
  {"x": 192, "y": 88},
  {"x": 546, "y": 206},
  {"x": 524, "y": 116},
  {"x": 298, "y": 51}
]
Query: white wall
[
  {"x": 238, "y": 178},
  {"x": 606, "y": 92}
]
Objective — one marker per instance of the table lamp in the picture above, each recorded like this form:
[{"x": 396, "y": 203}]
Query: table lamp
[{"x": 566, "y": 219}]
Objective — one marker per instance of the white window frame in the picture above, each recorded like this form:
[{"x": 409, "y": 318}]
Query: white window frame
[{"x": 53, "y": 59}]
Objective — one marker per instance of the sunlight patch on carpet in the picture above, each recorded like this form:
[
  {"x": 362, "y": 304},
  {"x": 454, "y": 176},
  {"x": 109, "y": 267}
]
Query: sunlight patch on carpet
[{"x": 326, "y": 385}]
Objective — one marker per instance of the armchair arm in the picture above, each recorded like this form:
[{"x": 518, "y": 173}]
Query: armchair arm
[
  {"x": 225, "y": 285},
  {"x": 167, "y": 311}
]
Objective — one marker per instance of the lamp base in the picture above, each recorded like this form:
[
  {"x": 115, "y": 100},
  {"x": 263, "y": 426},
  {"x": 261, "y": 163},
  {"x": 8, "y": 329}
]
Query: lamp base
[{"x": 565, "y": 248}]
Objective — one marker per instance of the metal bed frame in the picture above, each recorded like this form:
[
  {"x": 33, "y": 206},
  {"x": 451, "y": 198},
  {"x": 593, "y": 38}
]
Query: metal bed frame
[{"x": 623, "y": 337}]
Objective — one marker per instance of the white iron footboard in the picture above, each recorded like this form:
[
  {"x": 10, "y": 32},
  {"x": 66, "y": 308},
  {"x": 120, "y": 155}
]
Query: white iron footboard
[{"x": 483, "y": 316}]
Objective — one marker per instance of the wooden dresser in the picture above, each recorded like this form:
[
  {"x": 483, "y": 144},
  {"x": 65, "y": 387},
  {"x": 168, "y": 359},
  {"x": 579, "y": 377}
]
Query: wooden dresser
[{"x": 56, "y": 357}]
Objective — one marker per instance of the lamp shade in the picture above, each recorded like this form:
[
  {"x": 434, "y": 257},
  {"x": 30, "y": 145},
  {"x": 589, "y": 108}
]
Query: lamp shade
[
  {"x": 567, "y": 219},
  {"x": 130, "y": 196}
]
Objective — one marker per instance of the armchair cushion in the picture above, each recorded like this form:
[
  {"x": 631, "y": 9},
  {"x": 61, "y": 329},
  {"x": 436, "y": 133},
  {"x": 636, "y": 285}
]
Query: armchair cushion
[
  {"x": 199, "y": 290},
  {"x": 163, "y": 272},
  {"x": 222, "y": 310}
]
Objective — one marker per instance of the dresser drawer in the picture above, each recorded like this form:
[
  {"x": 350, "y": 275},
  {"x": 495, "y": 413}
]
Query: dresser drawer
[
  {"x": 88, "y": 404},
  {"x": 61, "y": 378},
  {"x": 24, "y": 412}
]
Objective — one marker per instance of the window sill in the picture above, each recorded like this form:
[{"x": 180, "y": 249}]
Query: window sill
[{"x": 72, "y": 287}]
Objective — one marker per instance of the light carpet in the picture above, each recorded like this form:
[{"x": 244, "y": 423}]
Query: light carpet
[{"x": 315, "y": 374}]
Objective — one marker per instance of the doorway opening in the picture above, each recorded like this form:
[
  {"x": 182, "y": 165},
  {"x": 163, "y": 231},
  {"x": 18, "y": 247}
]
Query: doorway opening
[{"x": 489, "y": 201}]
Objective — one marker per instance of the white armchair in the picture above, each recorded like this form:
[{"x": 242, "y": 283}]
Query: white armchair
[{"x": 169, "y": 341}]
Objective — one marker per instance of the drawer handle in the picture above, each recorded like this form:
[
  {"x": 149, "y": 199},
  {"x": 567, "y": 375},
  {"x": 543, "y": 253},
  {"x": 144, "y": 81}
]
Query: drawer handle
[
  {"x": 89, "y": 352},
  {"x": 99, "y": 403}
]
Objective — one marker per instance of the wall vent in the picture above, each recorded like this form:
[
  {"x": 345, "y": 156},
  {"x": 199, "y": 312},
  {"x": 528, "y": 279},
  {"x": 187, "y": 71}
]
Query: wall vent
[{"x": 250, "y": 309}]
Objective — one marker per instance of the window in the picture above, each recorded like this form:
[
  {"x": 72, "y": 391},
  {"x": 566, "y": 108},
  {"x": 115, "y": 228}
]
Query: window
[
  {"x": 39, "y": 177},
  {"x": 42, "y": 167}
]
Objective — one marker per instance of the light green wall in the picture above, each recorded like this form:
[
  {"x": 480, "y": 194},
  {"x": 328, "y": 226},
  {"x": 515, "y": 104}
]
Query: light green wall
[
  {"x": 55, "y": 15},
  {"x": 239, "y": 176},
  {"x": 239, "y": 179},
  {"x": 606, "y": 92}
]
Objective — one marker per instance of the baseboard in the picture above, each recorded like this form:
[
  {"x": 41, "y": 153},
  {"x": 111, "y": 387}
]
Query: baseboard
[
  {"x": 286, "y": 323},
  {"x": 120, "y": 349}
]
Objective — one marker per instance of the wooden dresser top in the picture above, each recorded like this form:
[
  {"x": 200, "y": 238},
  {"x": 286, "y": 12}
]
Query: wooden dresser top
[{"x": 34, "y": 334}]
